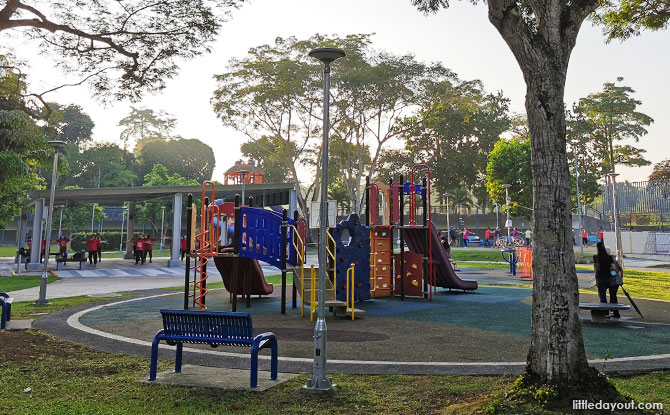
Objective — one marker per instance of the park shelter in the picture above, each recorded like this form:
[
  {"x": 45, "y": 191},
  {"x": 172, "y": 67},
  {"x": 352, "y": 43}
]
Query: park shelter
[{"x": 264, "y": 194}]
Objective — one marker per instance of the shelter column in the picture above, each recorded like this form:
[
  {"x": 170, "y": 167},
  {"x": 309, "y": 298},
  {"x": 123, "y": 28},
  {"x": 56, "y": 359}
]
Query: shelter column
[
  {"x": 176, "y": 232},
  {"x": 21, "y": 232},
  {"x": 292, "y": 201},
  {"x": 34, "y": 264},
  {"x": 130, "y": 231}
]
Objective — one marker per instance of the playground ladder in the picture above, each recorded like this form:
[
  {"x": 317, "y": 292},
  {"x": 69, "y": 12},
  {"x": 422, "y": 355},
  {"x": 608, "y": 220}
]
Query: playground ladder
[{"x": 380, "y": 261}]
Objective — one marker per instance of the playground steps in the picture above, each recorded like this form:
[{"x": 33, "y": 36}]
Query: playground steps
[{"x": 339, "y": 308}]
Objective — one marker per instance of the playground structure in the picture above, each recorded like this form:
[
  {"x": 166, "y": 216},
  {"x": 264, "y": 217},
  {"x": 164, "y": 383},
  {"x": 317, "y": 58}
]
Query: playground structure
[{"x": 363, "y": 266}]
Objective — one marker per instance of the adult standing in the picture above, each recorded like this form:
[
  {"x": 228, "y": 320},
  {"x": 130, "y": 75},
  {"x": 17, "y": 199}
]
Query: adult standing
[
  {"x": 585, "y": 237},
  {"x": 466, "y": 236},
  {"x": 528, "y": 235},
  {"x": 140, "y": 255},
  {"x": 605, "y": 276},
  {"x": 601, "y": 235},
  {"x": 487, "y": 236},
  {"x": 452, "y": 235},
  {"x": 99, "y": 247},
  {"x": 92, "y": 244},
  {"x": 149, "y": 247}
]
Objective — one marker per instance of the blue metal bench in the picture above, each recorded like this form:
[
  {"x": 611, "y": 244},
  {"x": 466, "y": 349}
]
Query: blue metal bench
[
  {"x": 213, "y": 328},
  {"x": 5, "y": 308}
]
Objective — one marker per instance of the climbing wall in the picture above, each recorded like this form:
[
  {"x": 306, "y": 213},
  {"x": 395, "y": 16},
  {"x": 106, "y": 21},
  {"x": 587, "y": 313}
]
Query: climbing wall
[
  {"x": 356, "y": 251},
  {"x": 382, "y": 268},
  {"x": 413, "y": 274}
]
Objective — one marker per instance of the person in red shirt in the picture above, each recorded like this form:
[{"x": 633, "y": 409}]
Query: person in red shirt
[
  {"x": 601, "y": 235},
  {"x": 99, "y": 247},
  {"x": 149, "y": 247},
  {"x": 182, "y": 247},
  {"x": 140, "y": 254},
  {"x": 487, "y": 236},
  {"x": 92, "y": 244},
  {"x": 585, "y": 237},
  {"x": 62, "y": 244}
]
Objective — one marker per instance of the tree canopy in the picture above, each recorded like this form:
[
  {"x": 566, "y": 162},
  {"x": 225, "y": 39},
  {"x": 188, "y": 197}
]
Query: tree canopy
[
  {"x": 509, "y": 163},
  {"x": 604, "y": 118},
  {"x": 189, "y": 158},
  {"x": 274, "y": 95},
  {"x": 622, "y": 19},
  {"x": 144, "y": 125},
  {"x": 121, "y": 49},
  {"x": 661, "y": 171}
]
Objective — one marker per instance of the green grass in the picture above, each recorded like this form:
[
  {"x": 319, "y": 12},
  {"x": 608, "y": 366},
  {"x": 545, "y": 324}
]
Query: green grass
[
  {"x": 27, "y": 309},
  {"x": 468, "y": 264},
  {"x": 7, "y": 250},
  {"x": 645, "y": 284},
  {"x": 66, "y": 378},
  {"x": 465, "y": 254},
  {"x": 21, "y": 282}
]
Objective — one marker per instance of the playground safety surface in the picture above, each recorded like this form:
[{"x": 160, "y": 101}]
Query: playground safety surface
[{"x": 482, "y": 332}]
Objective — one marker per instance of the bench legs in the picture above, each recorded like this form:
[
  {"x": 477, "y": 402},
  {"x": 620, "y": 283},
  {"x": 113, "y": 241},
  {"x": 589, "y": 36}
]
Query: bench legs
[
  {"x": 154, "y": 355},
  {"x": 261, "y": 342},
  {"x": 599, "y": 316},
  {"x": 177, "y": 359}
]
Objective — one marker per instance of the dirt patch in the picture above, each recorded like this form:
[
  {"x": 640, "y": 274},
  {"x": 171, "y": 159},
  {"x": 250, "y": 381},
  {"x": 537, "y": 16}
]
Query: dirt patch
[{"x": 29, "y": 348}]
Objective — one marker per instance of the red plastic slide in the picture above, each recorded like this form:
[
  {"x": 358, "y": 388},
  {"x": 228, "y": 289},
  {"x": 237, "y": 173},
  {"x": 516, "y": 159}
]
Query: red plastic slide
[
  {"x": 258, "y": 284},
  {"x": 445, "y": 275}
]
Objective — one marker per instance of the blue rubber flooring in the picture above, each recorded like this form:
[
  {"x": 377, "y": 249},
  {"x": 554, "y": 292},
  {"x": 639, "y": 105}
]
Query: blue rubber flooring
[{"x": 497, "y": 310}]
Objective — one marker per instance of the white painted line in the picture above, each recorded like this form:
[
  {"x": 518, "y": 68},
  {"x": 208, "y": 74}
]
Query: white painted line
[{"x": 73, "y": 321}]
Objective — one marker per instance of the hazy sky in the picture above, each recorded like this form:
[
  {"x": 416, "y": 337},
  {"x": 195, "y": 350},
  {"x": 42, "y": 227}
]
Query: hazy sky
[{"x": 460, "y": 37}]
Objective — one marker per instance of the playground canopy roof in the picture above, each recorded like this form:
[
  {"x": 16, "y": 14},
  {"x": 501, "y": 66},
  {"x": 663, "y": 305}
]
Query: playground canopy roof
[{"x": 266, "y": 194}]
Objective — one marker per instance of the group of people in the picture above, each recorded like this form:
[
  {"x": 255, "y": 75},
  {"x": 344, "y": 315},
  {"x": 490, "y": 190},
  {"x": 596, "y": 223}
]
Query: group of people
[
  {"x": 462, "y": 237},
  {"x": 585, "y": 236},
  {"x": 94, "y": 244},
  {"x": 143, "y": 246}
]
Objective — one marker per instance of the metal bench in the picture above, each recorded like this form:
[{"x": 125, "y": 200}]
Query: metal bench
[
  {"x": 599, "y": 311},
  {"x": 213, "y": 328},
  {"x": 6, "y": 309},
  {"x": 60, "y": 261}
]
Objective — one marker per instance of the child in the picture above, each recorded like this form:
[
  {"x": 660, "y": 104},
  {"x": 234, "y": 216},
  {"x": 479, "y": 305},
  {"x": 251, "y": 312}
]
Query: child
[
  {"x": 182, "y": 247},
  {"x": 62, "y": 245}
]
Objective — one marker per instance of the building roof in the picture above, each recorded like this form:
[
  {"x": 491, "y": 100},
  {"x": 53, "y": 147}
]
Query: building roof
[{"x": 245, "y": 166}]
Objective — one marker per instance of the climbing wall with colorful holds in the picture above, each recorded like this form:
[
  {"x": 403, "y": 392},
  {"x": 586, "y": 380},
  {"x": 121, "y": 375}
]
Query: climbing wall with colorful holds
[
  {"x": 356, "y": 251},
  {"x": 413, "y": 275},
  {"x": 382, "y": 268}
]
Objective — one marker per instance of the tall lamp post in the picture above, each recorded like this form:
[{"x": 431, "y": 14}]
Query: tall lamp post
[
  {"x": 448, "y": 227},
  {"x": 57, "y": 145},
  {"x": 615, "y": 214},
  {"x": 579, "y": 202},
  {"x": 162, "y": 224},
  {"x": 319, "y": 381},
  {"x": 243, "y": 173},
  {"x": 123, "y": 218},
  {"x": 508, "y": 222}
]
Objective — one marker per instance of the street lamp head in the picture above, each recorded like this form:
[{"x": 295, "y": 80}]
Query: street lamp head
[
  {"x": 327, "y": 55},
  {"x": 612, "y": 174},
  {"x": 57, "y": 144},
  {"x": 506, "y": 186}
]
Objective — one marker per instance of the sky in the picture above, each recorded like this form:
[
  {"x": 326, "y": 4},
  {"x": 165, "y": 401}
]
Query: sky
[{"x": 461, "y": 38}]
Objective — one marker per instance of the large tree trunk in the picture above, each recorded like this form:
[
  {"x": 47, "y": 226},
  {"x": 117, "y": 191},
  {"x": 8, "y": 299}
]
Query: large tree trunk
[
  {"x": 556, "y": 353},
  {"x": 542, "y": 50}
]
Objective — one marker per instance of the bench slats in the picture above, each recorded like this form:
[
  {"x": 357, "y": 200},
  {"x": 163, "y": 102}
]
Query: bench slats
[{"x": 197, "y": 325}]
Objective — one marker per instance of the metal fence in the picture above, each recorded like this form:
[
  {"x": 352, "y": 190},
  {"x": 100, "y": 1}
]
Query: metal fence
[
  {"x": 657, "y": 243},
  {"x": 651, "y": 197}
]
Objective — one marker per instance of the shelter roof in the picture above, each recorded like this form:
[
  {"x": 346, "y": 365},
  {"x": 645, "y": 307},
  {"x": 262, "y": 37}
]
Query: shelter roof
[{"x": 271, "y": 193}]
